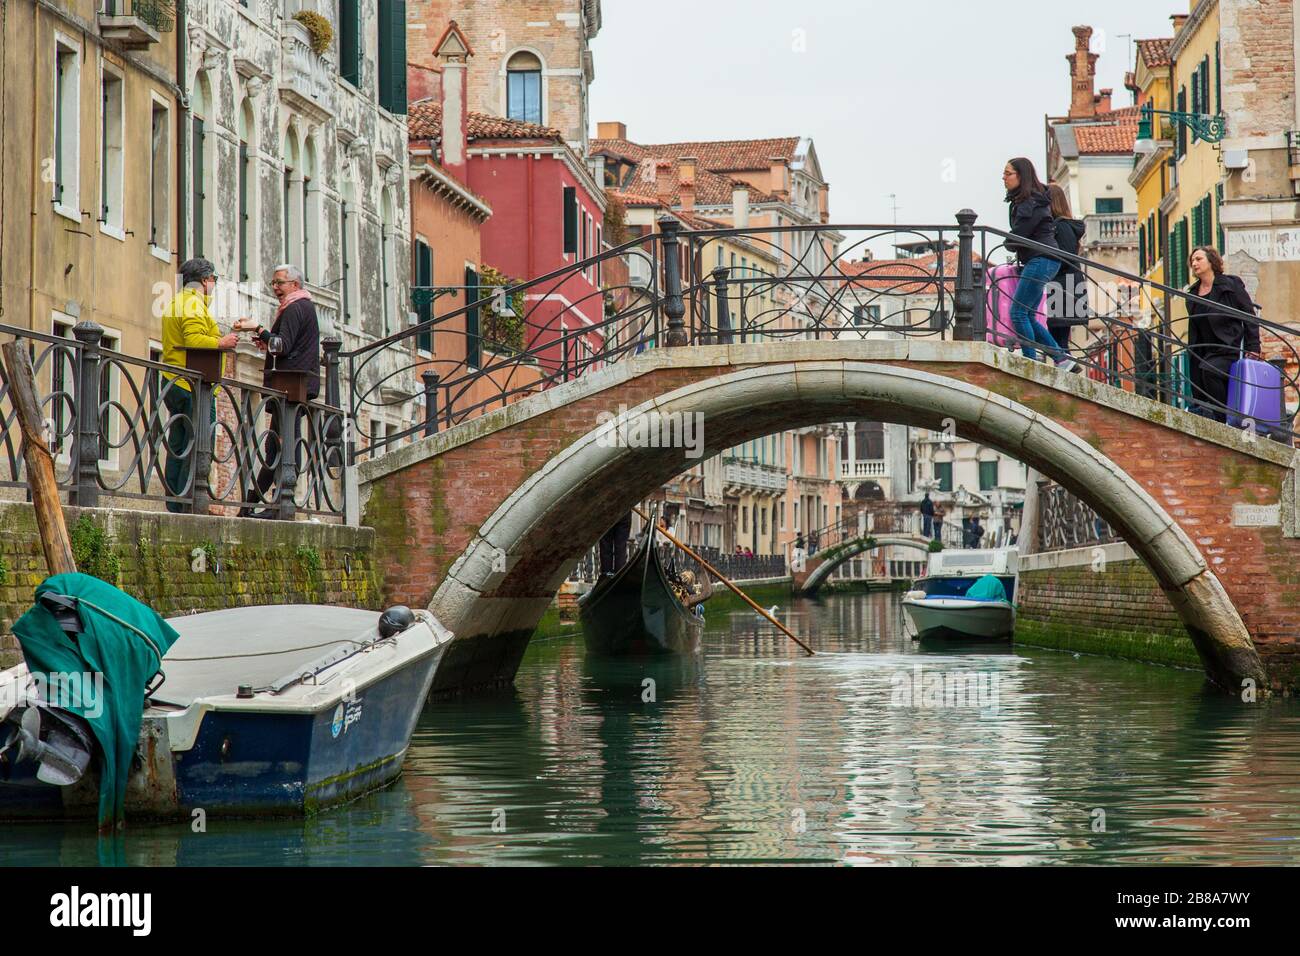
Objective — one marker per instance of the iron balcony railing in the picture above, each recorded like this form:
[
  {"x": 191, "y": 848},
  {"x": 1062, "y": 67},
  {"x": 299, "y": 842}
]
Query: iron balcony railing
[{"x": 112, "y": 431}]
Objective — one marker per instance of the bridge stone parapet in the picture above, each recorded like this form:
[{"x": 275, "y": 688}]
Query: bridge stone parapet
[{"x": 482, "y": 522}]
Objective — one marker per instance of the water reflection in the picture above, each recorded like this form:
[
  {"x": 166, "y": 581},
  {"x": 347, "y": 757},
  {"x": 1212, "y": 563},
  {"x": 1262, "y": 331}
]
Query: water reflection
[{"x": 754, "y": 753}]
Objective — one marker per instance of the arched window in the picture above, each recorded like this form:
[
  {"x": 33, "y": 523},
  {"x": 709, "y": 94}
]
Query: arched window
[
  {"x": 524, "y": 87},
  {"x": 291, "y": 219},
  {"x": 387, "y": 280},
  {"x": 202, "y": 160},
  {"x": 247, "y": 178},
  {"x": 311, "y": 269}
]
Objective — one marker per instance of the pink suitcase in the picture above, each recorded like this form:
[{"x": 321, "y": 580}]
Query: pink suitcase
[{"x": 1002, "y": 282}]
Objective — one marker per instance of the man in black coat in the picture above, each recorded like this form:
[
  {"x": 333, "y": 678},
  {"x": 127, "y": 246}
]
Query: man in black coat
[{"x": 292, "y": 342}]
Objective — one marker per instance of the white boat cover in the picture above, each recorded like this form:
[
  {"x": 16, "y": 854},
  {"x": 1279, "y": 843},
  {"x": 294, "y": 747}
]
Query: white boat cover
[{"x": 219, "y": 650}]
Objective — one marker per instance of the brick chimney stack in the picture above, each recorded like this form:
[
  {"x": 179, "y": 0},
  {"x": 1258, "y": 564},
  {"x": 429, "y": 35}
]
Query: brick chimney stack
[
  {"x": 1103, "y": 101},
  {"x": 1179, "y": 19},
  {"x": 1083, "y": 73},
  {"x": 611, "y": 131},
  {"x": 779, "y": 183},
  {"x": 453, "y": 52},
  {"x": 686, "y": 182},
  {"x": 663, "y": 180},
  {"x": 739, "y": 205}
]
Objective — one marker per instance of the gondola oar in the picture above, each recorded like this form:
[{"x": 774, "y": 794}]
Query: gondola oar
[{"x": 727, "y": 581}]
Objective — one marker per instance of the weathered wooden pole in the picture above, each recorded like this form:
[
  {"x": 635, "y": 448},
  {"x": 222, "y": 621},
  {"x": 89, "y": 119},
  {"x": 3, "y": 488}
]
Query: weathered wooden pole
[{"x": 40, "y": 463}]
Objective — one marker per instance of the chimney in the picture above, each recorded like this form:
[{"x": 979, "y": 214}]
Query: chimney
[
  {"x": 1103, "y": 101},
  {"x": 611, "y": 131},
  {"x": 740, "y": 205},
  {"x": 663, "y": 180},
  {"x": 778, "y": 186},
  {"x": 1083, "y": 71},
  {"x": 1179, "y": 19},
  {"x": 453, "y": 52},
  {"x": 824, "y": 202},
  {"x": 686, "y": 182}
]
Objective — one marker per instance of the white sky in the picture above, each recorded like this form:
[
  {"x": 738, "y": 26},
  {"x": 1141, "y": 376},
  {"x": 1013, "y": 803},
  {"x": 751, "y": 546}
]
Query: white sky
[{"x": 893, "y": 92}]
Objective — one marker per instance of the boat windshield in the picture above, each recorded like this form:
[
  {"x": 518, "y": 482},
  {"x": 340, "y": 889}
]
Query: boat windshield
[{"x": 957, "y": 587}]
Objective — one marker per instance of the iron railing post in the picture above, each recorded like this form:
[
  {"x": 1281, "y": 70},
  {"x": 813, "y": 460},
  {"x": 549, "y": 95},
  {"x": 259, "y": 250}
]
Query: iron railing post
[
  {"x": 334, "y": 426},
  {"x": 430, "y": 378},
  {"x": 285, "y": 506},
  {"x": 674, "y": 307},
  {"x": 85, "y": 486},
  {"x": 964, "y": 299},
  {"x": 202, "y": 453},
  {"x": 724, "y": 308}
]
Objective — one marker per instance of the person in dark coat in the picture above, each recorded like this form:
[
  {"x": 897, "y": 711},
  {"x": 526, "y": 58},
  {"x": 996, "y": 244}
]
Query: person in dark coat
[
  {"x": 1215, "y": 338},
  {"x": 1067, "y": 294},
  {"x": 613, "y": 545},
  {"x": 292, "y": 342},
  {"x": 1031, "y": 218},
  {"x": 927, "y": 515}
]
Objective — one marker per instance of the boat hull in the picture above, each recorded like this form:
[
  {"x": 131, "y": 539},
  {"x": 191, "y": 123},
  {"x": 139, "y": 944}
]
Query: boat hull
[
  {"x": 263, "y": 757},
  {"x": 635, "y": 612},
  {"x": 956, "y": 619}
]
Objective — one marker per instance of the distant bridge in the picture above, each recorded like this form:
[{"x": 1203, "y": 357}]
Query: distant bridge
[{"x": 818, "y": 568}]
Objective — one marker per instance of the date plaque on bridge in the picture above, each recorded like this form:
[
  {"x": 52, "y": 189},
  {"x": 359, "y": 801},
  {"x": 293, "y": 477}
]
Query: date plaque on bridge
[{"x": 1256, "y": 516}]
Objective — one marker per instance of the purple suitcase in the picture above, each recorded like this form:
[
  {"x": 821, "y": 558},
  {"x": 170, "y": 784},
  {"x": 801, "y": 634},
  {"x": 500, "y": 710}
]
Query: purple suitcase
[{"x": 1255, "y": 391}]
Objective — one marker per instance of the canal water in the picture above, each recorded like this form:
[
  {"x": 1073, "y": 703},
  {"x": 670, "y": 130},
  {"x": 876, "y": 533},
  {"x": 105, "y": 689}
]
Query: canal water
[{"x": 875, "y": 751}]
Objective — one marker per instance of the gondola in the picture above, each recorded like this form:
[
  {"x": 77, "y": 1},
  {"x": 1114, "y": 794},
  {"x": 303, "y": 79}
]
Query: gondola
[{"x": 635, "y": 610}]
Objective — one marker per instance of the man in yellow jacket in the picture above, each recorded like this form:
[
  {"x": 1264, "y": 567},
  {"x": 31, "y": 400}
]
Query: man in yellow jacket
[{"x": 187, "y": 323}]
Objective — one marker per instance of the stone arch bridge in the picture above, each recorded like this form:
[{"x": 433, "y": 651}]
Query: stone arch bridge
[
  {"x": 482, "y": 522},
  {"x": 818, "y": 568}
]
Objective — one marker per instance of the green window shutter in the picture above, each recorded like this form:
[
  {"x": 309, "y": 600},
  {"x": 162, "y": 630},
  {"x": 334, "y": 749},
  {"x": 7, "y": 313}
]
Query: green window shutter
[
  {"x": 988, "y": 475},
  {"x": 424, "y": 280},
  {"x": 1142, "y": 248},
  {"x": 1180, "y": 140},
  {"x": 1218, "y": 81},
  {"x": 196, "y": 152},
  {"x": 1205, "y": 84},
  {"x": 350, "y": 41},
  {"x": 570, "y": 220},
  {"x": 1218, "y": 217},
  {"x": 392, "y": 55},
  {"x": 473, "y": 339}
]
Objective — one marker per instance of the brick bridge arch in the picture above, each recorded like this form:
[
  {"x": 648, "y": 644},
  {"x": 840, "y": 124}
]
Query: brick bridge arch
[
  {"x": 818, "y": 568},
  {"x": 483, "y": 522}
]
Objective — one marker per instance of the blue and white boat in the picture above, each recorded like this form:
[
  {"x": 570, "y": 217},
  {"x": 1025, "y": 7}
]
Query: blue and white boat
[
  {"x": 959, "y": 599},
  {"x": 273, "y": 710}
]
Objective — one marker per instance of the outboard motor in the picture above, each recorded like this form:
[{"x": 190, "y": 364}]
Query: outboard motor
[
  {"x": 395, "y": 620},
  {"x": 47, "y": 743}
]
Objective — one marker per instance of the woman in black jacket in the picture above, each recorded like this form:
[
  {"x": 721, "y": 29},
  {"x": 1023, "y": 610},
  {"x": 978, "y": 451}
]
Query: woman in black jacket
[
  {"x": 1216, "y": 338},
  {"x": 1067, "y": 294},
  {"x": 1031, "y": 218}
]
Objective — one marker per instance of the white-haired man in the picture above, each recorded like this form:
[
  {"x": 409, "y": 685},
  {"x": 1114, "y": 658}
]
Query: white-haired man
[{"x": 297, "y": 346}]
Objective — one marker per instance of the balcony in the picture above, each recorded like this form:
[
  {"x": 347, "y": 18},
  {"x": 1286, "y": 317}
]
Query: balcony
[
  {"x": 874, "y": 468},
  {"x": 747, "y": 477},
  {"x": 136, "y": 23},
  {"x": 307, "y": 80},
  {"x": 1112, "y": 230}
]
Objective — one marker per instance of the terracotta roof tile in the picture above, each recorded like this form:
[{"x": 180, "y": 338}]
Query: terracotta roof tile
[
  {"x": 882, "y": 275},
  {"x": 424, "y": 122},
  {"x": 711, "y": 189},
  {"x": 722, "y": 156},
  {"x": 1155, "y": 53}
]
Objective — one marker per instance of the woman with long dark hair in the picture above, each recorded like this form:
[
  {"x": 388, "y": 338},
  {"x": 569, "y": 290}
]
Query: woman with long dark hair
[
  {"x": 1031, "y": 218},
  {"x": 1216, "y": 339},
  {"x": 1067, "y": 294}
]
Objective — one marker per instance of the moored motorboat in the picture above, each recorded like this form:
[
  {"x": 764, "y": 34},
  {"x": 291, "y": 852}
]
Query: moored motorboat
[
  {"x": 965, "y": 596},
  {"x": 274, "y": 710},
  {"x": 636, "y": 610}
]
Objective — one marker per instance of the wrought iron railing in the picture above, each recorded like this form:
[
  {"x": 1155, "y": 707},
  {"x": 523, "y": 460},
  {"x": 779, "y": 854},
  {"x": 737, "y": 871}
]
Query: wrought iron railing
[
  {"x": 1125, "y": 330},
  {"x": 115, "y": 423},
  {"x": 1065, "y": 522}
]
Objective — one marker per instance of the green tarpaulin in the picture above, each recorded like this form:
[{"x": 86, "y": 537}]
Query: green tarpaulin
[
  {"x": 987, "y": 588},
  {"x": 121, "y": 639}
]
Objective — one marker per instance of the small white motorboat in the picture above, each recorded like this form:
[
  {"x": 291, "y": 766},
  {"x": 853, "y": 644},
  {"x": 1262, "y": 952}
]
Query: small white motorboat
[{"x": 965, "y": 596}]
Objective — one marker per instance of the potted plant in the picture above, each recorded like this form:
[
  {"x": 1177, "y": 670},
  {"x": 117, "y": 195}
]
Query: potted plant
[{"x": 319, "y": 30}]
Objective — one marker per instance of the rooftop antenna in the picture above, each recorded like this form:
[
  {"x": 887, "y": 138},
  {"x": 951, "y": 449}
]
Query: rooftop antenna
[{"x": 893, "y": 198}]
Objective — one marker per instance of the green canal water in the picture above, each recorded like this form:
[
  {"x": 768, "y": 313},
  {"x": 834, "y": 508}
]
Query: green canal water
[{"x": 755, "y": 754}]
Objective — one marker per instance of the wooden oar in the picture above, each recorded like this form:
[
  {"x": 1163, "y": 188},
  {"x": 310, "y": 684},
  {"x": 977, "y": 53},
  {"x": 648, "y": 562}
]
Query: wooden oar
[
  {"x": 40, "y": 463},
  {"x": 727, "y": 581}
]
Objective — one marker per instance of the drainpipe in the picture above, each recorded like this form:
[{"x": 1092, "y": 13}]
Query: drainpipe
[{"x": 182, "y": 134}]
